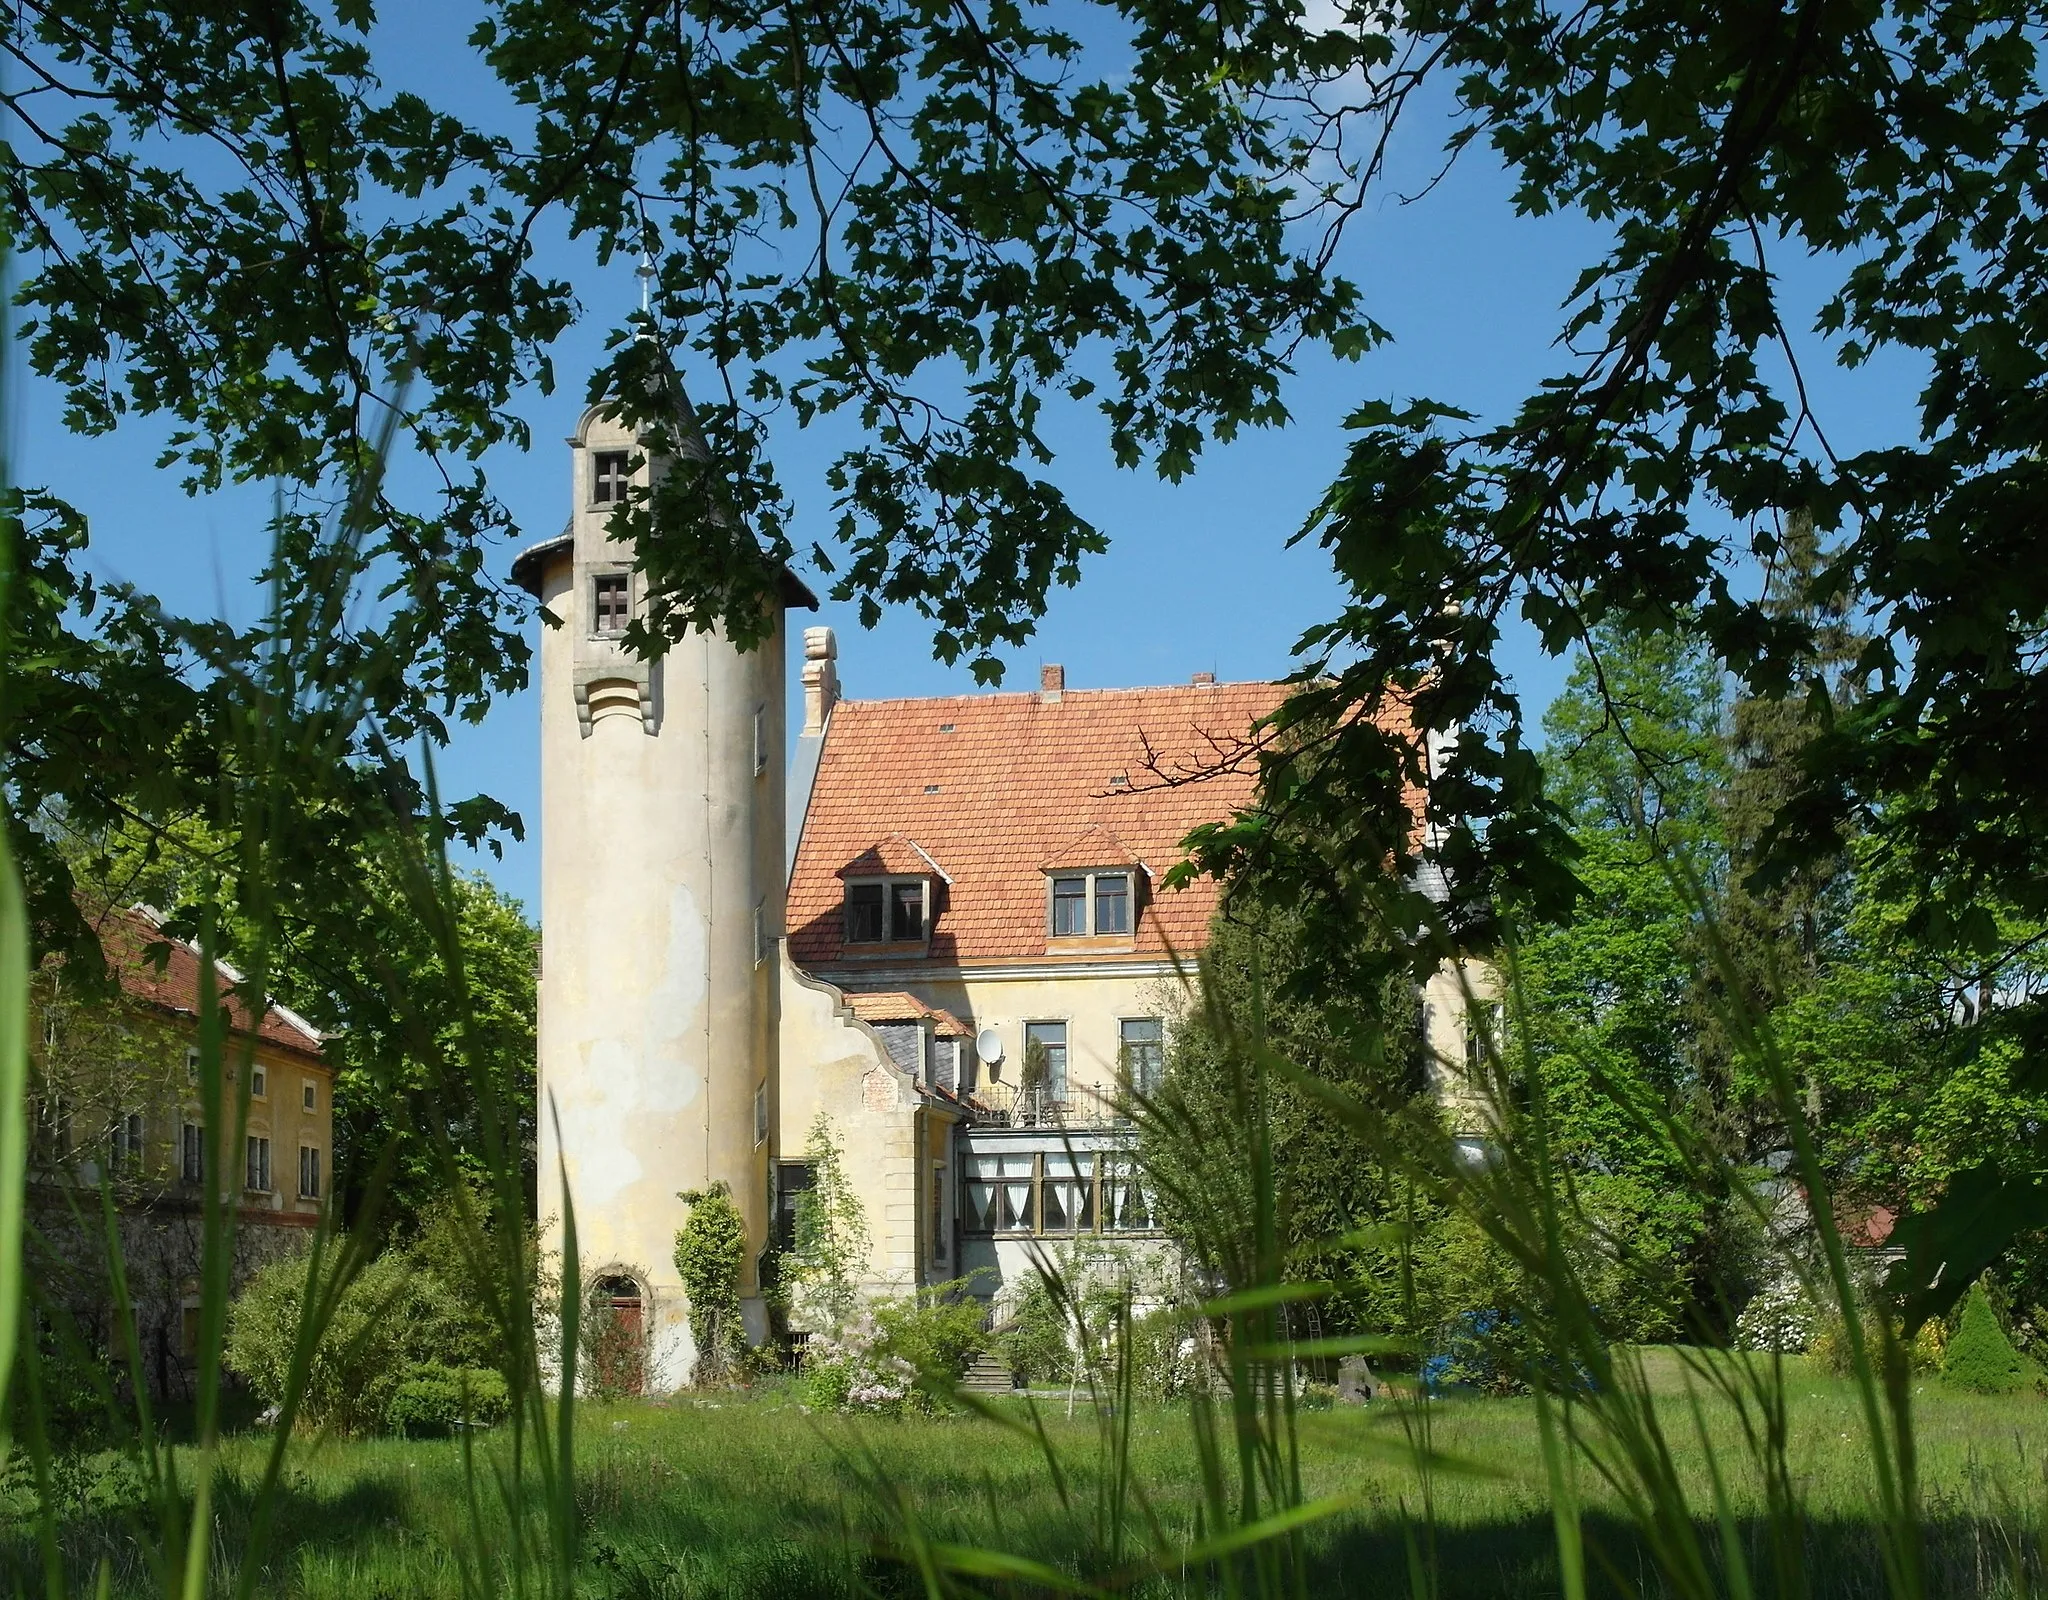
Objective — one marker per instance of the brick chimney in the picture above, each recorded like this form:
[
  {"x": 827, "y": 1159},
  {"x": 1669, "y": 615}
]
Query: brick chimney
[
  {"x": 1052, "y": 683},
  {"x": 821, "y": 679},
  {"x": 1204, "y": 680}
]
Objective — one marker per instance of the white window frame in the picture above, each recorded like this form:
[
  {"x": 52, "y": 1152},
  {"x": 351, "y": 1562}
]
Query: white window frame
[
  {"x": 252, "y": 1166},
  {"x": 191, "y": 1143},
  {"x": 309, "y": 1096},
  {"x": 312, "y": 1150},
  {"x": 259, "y": 1081}
]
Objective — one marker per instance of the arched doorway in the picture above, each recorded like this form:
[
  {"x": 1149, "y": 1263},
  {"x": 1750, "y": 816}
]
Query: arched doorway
[{"x": 616, "y": 1342}]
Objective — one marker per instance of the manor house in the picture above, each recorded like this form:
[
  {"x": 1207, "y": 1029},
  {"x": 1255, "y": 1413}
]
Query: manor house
[{"x": 943, "y": 924}]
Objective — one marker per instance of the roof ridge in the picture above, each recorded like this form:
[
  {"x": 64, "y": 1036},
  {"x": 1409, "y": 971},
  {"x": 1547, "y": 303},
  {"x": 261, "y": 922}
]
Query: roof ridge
[{"x": 993, "y": 696}]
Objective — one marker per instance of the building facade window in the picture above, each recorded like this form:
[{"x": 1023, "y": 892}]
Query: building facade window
[
  {"x": 257, "y": 1175},
  {"x": 942, "y": 1225},
  {"x": 608, "y": 477},
  {"x": 1045, "y": 1058},
  {"x": 1484, "y": 1020},
  {"x": 191, "y": 1063},
  {"x": 761, "y": 1113},
  {"x": 793, "y": 1180},
  {"x": 1053, "y": 1192},
  {"x": 886, "y": 911},
  {"x": 1142, "y": 1052},
  {"x": 309, "y": 1172},
  {"x": 309, "y": 1095},
  {"x": 259, "y": 1081},
  {"x": 999, "y": 1194},
  {"x": 611, "y": 602},
  {"x": 1091, "y": 905},
  {"x": 192, "y": 1153},
  {"x": 125, "y": 1146},
  {"x": 760, "y": 740}
]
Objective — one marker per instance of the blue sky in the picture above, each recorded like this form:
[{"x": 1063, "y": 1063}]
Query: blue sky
[{"x": 1198, "y": 576}]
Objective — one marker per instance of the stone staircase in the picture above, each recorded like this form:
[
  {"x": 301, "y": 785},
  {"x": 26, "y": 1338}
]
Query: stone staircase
[{"x": 989, "y": 1374}]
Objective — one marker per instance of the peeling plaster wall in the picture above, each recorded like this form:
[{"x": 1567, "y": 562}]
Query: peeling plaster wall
[{"x": 833, "y": 1062}]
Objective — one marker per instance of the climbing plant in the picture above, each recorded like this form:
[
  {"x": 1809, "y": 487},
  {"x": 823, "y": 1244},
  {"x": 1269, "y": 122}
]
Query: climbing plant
[
  {"x": 710, "y": 1245},
  {"x": 821, "y": 1269}
]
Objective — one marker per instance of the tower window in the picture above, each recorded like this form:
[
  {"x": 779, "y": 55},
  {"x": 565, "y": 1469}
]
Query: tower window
[
  {"x": 610, "y": 595},
  {"x": 608, "y": 477}
]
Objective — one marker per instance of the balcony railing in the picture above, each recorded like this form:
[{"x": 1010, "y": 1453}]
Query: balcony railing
[{"x": 1002, "y": 1105}]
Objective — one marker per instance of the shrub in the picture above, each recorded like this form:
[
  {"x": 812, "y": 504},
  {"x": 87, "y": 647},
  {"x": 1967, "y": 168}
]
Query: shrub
[
  {"x": 431, "y": 1400},
  {"x": 1036, "y": 1343},
  {"x": 1779, "y": 1317},
  {"x": 711, "y": 1246},
  {"x": 938, "y": 1332},
  {"x": 361, "y": 1357},
  {"x": 851, "y": 1368},
  {"x": 1980, "y": 1357}
]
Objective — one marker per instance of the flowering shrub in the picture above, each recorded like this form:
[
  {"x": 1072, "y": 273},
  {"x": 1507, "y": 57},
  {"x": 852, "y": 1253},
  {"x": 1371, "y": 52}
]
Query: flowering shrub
[
  {"x": 852, "y": 1368},
  {"x": 1778, "y": 1317}
]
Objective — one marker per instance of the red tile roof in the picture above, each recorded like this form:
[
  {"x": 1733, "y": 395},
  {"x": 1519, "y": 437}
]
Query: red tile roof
[
  {"x": 126, "y": 938},
  {"x": 1018, "y": 782},
  {"x": 896, "y": 1006},
  {"x": 898, "y": 855}
]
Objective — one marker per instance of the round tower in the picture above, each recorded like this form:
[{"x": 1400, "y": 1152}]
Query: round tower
[{"x": 661, "y": 908}]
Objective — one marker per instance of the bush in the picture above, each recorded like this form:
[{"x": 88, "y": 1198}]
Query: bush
[
  {"x": 1778, "y": 1317},
  {"x": 1036, "y": 1343},
  {"x": 852, "y": 1368},
  {"x": 431, "y": 1401},
  {"x": 357, "y": 1364},
  {"x": 711, "y": 1246},
  {"x": 939, "y": 1332},
  {"x": 1980, "y": 1357}
]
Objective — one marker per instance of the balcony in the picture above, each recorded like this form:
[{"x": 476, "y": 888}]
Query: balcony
[{"x": 1002, "y": 1105}]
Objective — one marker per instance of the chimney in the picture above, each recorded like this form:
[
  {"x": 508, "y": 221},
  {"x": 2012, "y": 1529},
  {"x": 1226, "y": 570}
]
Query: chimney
[
  {"x": 1052, "y": 683},
  {"x": 1204, "y": 680},
  {"x": 821, "y": 679}
]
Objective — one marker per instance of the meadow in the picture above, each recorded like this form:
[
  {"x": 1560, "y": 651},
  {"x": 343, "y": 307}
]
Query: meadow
[{"x": 750, "y": 1497}]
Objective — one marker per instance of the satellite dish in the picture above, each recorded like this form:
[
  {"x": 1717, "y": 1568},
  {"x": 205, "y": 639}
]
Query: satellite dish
[{"x": 988, "y": 1045}]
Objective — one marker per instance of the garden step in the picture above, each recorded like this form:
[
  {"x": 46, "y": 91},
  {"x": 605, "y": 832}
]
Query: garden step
[{"x": 989, "y": 1374}]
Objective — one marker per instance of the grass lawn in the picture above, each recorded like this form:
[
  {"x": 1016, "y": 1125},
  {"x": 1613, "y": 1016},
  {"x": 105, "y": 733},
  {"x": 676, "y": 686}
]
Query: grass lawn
[{"x": 750, "y": 1497}]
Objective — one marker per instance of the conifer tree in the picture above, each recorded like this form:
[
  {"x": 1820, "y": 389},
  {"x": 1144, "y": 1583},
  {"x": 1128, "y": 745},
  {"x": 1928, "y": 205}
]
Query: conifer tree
[{"x": 1980, "y": 1356}]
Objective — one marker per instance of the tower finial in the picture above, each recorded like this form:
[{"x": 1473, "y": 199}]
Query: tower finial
[{"x": 645, "y": 273}]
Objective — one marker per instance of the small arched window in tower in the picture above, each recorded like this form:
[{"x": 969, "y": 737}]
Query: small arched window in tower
[
  {"x": 607, "y": 477},
  {"x": 610, "y": 602}
]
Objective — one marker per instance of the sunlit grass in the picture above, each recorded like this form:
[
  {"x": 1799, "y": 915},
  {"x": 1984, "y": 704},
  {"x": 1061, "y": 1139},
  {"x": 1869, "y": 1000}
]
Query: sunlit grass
[{"x": 746, "y": 1497}]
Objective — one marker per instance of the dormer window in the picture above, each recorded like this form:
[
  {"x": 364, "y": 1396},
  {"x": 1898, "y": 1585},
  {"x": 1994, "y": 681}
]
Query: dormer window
[
  {"x": 885, "y": 911},
  {"x": 1091, "y": 905},
  {"x": 607, "y": 477},
  {"x": 610, "y": 602}
]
